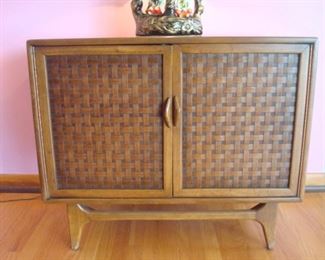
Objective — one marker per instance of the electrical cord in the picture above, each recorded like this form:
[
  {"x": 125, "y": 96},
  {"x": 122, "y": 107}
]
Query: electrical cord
[{"x": 18, "y": 200}]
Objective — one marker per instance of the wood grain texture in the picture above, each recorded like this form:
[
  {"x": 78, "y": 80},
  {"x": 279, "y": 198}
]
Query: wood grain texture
[
  {"x": 266, "y": 216},
  {"x": 79, "y": 215},
  {"x": 46, "y": 135},
  {"x": 311, "y": 79},
  {"x": 77, "y": 220},
  {"x": 315, "y": 179},
  {"x": 315, "y": 182},
  {"x": 19, "y": 183},
  {"x": 238, "y": 119},
  {"x": 34, "y": 230},
  {"x": 167, "y": 40}
]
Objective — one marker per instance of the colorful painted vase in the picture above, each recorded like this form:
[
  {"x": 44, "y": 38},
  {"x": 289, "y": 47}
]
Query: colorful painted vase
[{"x": 178, "y": 17}]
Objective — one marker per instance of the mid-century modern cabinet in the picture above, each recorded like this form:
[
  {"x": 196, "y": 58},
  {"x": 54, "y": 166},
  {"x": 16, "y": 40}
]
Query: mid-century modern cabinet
[{"x": 172, "y": 120}]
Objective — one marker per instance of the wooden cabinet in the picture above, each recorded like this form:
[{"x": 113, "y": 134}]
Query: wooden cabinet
[{"x": 172, "y": 120}]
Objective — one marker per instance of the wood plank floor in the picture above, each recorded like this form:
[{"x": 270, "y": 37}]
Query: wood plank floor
[{"x": 35, "y": 230}]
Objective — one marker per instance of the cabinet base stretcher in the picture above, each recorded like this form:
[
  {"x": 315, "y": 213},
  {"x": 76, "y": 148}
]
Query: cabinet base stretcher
[{"x": 79, "y": 215}]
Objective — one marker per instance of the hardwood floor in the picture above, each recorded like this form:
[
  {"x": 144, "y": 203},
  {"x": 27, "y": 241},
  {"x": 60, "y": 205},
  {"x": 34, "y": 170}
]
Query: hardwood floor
[{"x": 35, "y": 230}]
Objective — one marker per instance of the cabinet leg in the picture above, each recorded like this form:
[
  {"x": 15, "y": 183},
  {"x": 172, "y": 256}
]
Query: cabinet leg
[
  {"x": 79, "y": 215},
  {"x": 77, "y": 221},
  {"x": 266, "y": 216}
]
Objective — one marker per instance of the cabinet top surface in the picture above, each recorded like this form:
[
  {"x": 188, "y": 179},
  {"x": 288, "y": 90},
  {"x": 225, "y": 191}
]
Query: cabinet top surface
[{"x": 169, "y": 40}]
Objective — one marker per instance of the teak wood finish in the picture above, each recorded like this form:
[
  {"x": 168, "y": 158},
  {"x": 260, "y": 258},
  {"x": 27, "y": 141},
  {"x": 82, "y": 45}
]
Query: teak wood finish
[
  {"x": 80, "y": 215},
  {"x": 303, "y": 50},
  {"x": 173, "y": 191},
  {"x": 53, "y": 189}
]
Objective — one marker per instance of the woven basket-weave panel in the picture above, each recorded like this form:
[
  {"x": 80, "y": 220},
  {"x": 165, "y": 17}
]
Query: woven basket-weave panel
[
  {"x": 238, "y": 119},
  {"x": 106, "y": 121}
]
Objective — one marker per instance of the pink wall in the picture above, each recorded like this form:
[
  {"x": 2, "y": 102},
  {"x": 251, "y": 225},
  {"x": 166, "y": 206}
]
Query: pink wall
[{"x": 22, "y": 20}]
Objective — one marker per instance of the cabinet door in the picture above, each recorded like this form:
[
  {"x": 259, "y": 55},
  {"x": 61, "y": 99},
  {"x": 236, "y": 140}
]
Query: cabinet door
[
  {"x": 241, "y": 129},
  {"x": 98, "y": 113}
]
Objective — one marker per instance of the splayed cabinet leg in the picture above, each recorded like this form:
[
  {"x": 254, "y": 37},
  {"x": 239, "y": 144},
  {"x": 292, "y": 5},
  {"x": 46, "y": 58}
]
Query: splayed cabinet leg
[
  {"x": 77, "y": 221},
  {"x": 79, "y": 215},
  {"x": 266, "y": 216}
]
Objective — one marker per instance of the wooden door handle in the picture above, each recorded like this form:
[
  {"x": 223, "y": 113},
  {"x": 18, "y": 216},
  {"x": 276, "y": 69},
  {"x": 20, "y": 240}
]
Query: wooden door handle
[
  {"x": 167, "y": 120},
  {"x": 176, "y": 110}
]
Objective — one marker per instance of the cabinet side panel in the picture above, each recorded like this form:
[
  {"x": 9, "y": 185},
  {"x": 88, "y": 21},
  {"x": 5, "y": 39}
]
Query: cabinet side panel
[
  {"x": 106, "y": 120},
  {"x": 238, "y": 119}
]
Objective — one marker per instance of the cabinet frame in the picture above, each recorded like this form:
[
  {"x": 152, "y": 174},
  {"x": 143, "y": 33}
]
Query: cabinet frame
[
  {"x": 36, "y": 52},
  {"x": 43, "y": 124}
]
